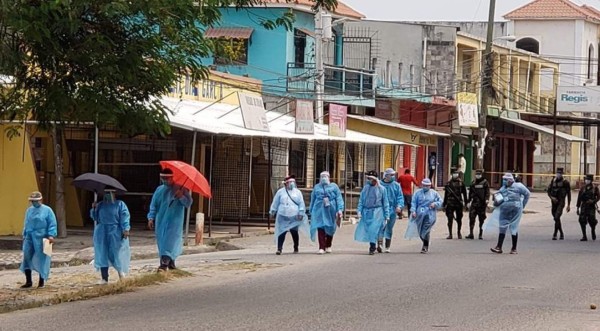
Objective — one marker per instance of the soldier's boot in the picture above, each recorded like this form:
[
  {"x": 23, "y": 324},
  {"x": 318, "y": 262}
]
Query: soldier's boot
[
  {"x": 583, "y": 231},
  {"x": 449, "y": 229},
  {"x": 555, "y": 230},
  {"x": 481, "y": 232},
  {"x": 459, "y": 226},
  {"x": 471, "y": 226},
  {"x": 594, "y": 232},
  {"x": 560, "y": 230}
]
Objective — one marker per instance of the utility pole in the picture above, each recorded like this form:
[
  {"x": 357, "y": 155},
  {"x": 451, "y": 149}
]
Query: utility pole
[
  {"x": 320, "y": 79},
  {"x": 486, "y": 83}
]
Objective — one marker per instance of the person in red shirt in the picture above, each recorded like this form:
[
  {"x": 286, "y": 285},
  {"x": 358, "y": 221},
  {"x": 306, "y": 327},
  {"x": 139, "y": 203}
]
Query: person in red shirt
[{"x": 406, "y": 182}]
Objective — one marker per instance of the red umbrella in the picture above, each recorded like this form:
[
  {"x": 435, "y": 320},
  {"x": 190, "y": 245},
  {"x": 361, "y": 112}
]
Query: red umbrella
[{"x": 188, "y": 176}]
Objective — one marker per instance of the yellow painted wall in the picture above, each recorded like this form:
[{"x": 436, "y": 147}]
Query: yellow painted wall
[
  {"x": 17, "y": 181},
  {"x": 218, "y": 87}
]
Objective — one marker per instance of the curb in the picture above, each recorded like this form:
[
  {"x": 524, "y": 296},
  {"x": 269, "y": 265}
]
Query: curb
[{"x": 210, "y": 245}]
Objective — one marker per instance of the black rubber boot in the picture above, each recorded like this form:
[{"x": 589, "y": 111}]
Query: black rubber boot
[
  {"x": 104, "y": 273},
  {"x": 371, "y": 248},
  {"x": 594, "y": 232},
  {"x": 164, "y": 263},
  {"x": 498, "y": 248},
  {"x": 388, "y": 242},
  {"x": 172, "y": 264},
  {"x": 28, "y": 281},
  {"x": 515, "y": 238},
  {"x": 41, "y": 283}
]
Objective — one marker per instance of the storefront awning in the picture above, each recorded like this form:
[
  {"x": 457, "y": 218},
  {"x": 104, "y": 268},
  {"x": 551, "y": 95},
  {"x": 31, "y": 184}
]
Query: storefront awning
[
  {"x": 542, "y": 129},
  {"x": 407, "y": 127},
  {"x": 225, "y": 119}
]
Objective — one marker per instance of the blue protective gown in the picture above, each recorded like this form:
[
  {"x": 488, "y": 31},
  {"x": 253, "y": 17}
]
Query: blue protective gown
[
  {"x": 395, "y": 200},
  {"x": 110, "y": 248},
  {"x": 373, "y": 206},
  {"x": 168, "y": 214},
  {"x": 508, "y": 214},
  {"x": 321, "y": 216},
  {"x": 40, "y": 223},
  {"x": 420, "y": 226},
  {"x": 288, "y": 206}
]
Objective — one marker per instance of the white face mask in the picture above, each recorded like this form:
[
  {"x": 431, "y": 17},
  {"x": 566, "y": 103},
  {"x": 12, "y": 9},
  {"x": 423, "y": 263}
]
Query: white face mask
[
  {"x": 454, "y": 176},
  {"x": 588, "y": 182},
  {"x": 478, "y": 176}
]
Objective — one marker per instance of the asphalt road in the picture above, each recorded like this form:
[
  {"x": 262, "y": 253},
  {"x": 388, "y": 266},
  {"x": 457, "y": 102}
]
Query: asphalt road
[{"x": 460, "y": 285}]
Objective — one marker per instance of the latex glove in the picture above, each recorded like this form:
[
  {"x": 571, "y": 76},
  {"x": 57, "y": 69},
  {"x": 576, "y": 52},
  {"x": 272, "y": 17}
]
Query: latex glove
[
  {"x": 151, "y": 224},
  {"x": 398, "y": 210},
  {"x": 432, "y": 206},
  {"x": 414, "y": 215},
  {"x": 125, "y": 234},
  {"x": 568, "y": 209},
  {"x": 339, "y": 214},
  {"x": 51, "y": 240}
]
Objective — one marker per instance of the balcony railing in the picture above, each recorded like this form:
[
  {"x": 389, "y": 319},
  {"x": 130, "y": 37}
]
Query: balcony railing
[{"x": 338, "y": 80}]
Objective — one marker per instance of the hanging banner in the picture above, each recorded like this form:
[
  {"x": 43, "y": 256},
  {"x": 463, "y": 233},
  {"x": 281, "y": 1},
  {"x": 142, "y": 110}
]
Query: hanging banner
[
  {"x": 337, "y": 120},
  {"x": 253, "y": 112},
  {"x": 467, "y": 110},
  {"x": 305, "y": 122}
]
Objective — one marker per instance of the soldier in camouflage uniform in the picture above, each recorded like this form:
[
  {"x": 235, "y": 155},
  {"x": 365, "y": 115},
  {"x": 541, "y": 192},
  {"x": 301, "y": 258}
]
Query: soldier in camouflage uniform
[
  {"x": 455, "y": 197},
  {"x": 559, "y": 190},
  {"x": 586, "y": 206}
]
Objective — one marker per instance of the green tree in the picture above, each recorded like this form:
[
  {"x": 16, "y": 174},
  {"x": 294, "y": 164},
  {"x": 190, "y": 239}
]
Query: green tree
[{"x": 106, "y": 61}]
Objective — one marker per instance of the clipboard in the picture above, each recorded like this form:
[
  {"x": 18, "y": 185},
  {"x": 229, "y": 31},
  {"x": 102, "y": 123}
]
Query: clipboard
[{"x": 47, "y": 247}]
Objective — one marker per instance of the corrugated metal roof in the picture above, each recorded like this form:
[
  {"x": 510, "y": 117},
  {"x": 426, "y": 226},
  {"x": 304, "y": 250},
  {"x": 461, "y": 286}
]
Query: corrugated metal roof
[{"x": 235, "y": 33}]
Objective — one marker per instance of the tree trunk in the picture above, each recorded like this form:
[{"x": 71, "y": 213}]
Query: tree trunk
[{"x": 59, "y": 208}]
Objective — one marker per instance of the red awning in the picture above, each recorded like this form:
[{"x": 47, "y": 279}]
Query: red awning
[{"x": 234, "y": 33}]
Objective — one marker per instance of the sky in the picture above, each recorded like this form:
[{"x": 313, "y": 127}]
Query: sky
[{"x": 439, "y": 10}]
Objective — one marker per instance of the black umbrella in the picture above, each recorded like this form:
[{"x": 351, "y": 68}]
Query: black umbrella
[{"x": 97, "y": 182}]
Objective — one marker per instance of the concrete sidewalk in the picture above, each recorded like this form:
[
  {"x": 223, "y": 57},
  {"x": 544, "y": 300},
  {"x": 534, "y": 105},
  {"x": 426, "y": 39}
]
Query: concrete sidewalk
[{"x": 78, "y": 248}]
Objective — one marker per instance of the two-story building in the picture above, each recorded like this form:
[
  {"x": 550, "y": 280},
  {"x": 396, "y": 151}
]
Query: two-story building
[
  {"x": 524, "y": 86},
  {"x": 567, "y": 33}
]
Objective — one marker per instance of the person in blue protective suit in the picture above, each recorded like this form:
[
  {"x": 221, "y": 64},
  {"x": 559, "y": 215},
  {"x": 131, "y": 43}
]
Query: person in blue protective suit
[
  {"x": 166, "y": 217},
  {"x": 509, "y": 201},
  {"x": 40, "y": 224},
  {"x": 395, "y": 202},
  {"x": 111, "y": 235},
  {"x": 326, "y": 207},
  {"x": 424, "y": 205},
  {"x": 288, "y": 205},
  {"x": 373, "y": 212}
]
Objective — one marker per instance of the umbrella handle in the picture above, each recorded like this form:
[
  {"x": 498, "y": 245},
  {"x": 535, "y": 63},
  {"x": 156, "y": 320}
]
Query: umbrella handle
[{"x": 180, "y": 187}]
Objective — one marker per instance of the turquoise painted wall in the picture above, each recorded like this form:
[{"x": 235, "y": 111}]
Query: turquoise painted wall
[{"x": 269, "y": 51}]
